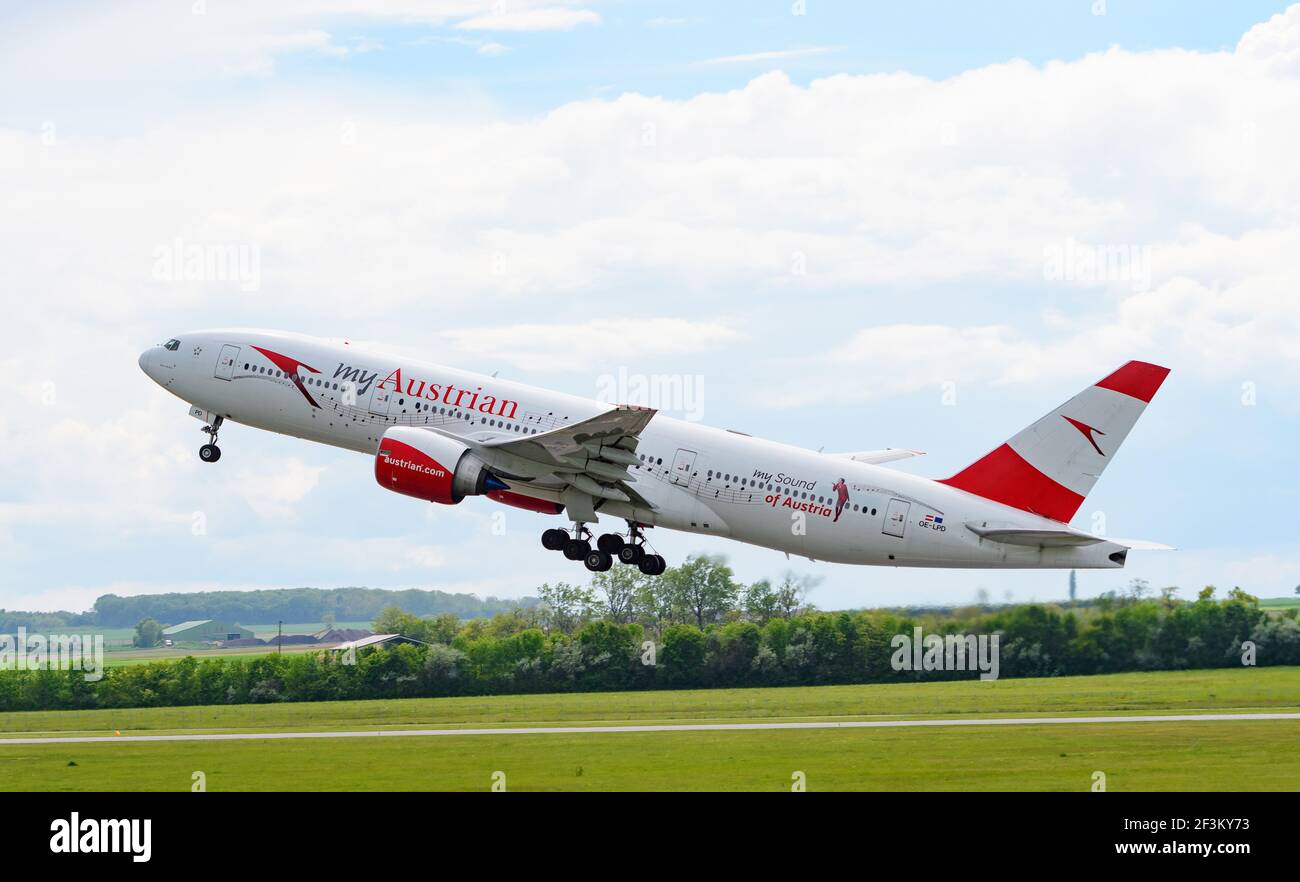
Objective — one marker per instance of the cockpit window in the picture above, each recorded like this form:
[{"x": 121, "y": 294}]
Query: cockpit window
[{"x": 172, "y": 345}]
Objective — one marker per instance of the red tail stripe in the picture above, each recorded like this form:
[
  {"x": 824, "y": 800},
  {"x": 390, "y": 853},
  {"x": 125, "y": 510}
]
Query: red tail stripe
[
  {"x": 1137, "y": 378},
  {"x": 1005, "y": 476}
]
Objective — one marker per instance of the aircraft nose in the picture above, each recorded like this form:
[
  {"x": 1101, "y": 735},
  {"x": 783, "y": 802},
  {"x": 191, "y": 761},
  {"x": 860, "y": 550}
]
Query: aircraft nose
[{"x": 146, "y": 361}]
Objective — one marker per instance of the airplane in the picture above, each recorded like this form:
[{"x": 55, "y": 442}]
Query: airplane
[{"x": 439, "y": 434}]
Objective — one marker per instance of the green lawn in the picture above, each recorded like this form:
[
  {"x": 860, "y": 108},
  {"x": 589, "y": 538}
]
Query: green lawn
[
  {"x": 1232, "y": 689},
  {"x": 1139, "y": 756},
  {"x": 171, "y": 653},
  {"x": 1205, "y": 755}
]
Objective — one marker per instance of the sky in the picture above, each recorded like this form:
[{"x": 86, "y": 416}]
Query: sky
[{"x": 838, "y": 225}]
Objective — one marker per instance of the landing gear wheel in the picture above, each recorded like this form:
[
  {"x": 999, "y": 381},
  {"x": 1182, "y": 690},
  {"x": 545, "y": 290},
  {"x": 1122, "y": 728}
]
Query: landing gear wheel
[
  {"x": 576, "y": 549},
  {"x": 554, "y": 539},
  {"x": 598, "y": 561},
  {"x": 653, "y": 565},
  {"x": 610, "y": 543},
  {"x": 631, "y": 554},
  {"x": 210, "y": 452}
]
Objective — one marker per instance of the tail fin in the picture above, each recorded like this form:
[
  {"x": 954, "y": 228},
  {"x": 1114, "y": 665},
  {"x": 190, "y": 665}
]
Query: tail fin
[{"x": 1051, "y": 466}]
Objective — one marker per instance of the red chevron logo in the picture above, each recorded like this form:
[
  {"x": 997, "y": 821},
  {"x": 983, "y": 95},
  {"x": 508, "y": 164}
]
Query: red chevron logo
[
  {"x": 290, "y": 367},
  {"x": 1088, "y": 432}
]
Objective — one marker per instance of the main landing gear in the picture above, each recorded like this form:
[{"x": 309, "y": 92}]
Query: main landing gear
[
  {"x": 210, "y": 452},
  {"x": 609, "y": 546}
]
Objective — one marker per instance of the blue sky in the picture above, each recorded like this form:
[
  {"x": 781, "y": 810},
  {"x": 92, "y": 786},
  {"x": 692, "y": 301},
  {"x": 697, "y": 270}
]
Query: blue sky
[{"x": 841, "y": 222}]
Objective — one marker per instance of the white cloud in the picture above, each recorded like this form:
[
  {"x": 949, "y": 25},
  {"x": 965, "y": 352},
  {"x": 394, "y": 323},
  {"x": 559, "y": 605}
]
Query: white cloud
[
  {"x": 273, "y": 489},
  {"x": 596, "y": 343},
  {"x": 537, "y": 19},
  {"x": 1274, "y": 44},
  {"x": 773, "y": 55}
]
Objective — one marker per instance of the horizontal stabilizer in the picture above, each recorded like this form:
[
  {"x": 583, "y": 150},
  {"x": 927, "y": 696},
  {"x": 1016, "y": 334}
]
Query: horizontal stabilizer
[
  {"x": 1032, "y": 537},
  {"x": 1063, "y": 538},
  {"x": 1142, "y": 545},
  {"x": 876, "y": 457}
]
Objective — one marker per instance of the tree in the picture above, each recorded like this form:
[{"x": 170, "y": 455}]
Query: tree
[
  {"x": 682, "y": 656},
  {"x": 704, "y": 586},
  {"x": 658, "y": 604},
  {"x": 566, "y": 606},
  {"x": 792, "y": 594},
  {"x": 1242, "y": 597},
  {"x": 620, "y": 589},
  {"x": 394, "y": 620},
  {"x": 147, "y": 633},
  {"x": 443, "y": 628},
  {"x": 760, "y": 601}
]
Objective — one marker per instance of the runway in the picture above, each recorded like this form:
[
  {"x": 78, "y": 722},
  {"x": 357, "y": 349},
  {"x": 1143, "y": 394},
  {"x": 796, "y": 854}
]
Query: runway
[{"x": 665, "y": 727}]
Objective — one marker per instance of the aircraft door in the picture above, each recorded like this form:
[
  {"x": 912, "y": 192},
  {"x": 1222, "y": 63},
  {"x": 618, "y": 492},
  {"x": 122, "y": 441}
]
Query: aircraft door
[
  {"x": 896, "y": 518},
  {"x": 683, "y": 466},
  {"x": 380, "y": 400},
  {"x": 226, "y": 362}
]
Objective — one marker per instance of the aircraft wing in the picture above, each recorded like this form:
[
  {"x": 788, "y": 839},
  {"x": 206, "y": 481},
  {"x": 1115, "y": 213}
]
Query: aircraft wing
[
  {"x": 591, "y": 457},
  {"x": 876, "y": 457}
]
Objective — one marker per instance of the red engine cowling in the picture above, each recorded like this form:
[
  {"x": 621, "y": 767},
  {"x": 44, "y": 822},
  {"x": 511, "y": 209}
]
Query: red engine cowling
[
  {"x": 528, "y": 503},
  {"x": 429, "y": 466}
]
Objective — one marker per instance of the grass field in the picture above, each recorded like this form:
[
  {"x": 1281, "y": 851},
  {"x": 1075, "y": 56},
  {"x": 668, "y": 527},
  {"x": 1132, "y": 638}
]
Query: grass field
[
  {"x": 171, "y": 653},
  {"x": 1280, "y": 602},
  {"x": 1198, "y": 755},
  {"x": 121, "y": 652}
]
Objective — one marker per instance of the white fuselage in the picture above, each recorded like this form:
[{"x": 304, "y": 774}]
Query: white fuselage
[{"x": 697, "y": 479}]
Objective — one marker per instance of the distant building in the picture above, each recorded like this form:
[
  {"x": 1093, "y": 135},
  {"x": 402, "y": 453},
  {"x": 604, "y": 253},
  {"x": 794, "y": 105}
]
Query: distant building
[
  {"x": 341, "y": 635},
  {"x": 203, "y": 631},
  {"x": 376, "y": 640}
]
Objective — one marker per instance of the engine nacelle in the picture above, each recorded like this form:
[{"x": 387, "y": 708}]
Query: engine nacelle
[{"x": 426, "y": 465}]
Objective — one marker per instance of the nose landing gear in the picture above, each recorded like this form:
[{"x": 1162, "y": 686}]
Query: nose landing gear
[{"x": 210, "y": 452}]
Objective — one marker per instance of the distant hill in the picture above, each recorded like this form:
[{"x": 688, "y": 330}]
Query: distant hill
[{"x": 279, "y": 604}]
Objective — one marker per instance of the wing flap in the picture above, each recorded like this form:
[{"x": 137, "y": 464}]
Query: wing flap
[{"x": 591, "y": 456}]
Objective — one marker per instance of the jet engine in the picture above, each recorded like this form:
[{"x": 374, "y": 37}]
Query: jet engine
[{"x": 426, "y": 465}]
